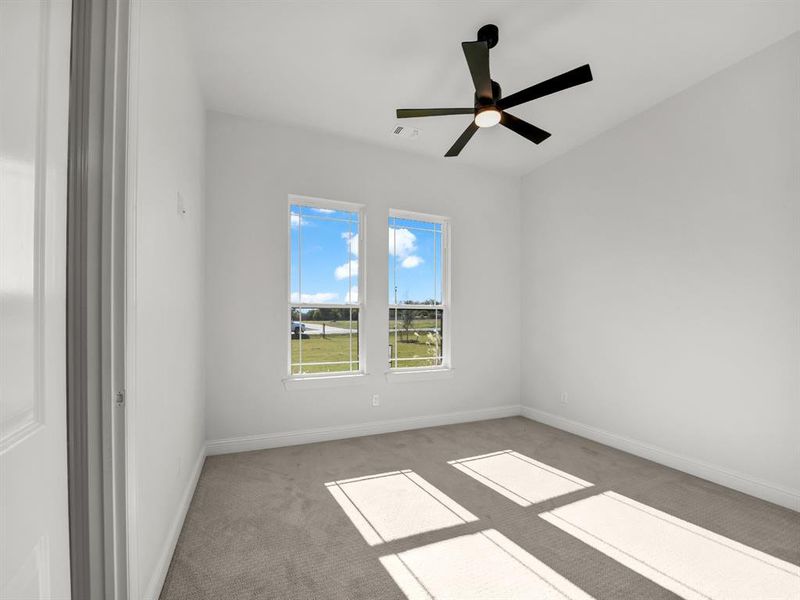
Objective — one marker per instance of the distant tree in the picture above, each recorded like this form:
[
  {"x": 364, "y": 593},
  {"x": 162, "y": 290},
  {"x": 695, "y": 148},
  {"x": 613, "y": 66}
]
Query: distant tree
[{"x": 408, "y": 321}]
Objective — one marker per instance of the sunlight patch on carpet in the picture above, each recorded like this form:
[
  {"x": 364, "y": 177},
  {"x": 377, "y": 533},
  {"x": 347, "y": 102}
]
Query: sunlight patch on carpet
[
  {"x": 481, "y": 565},
  {"x": 519, "y": 478},
  {"x": 395, "y": 505},
  {"x": 690, "y": 561}
]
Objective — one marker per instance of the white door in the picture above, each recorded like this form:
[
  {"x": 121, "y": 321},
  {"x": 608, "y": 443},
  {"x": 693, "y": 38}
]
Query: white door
[{"x": 34, "y": 94}]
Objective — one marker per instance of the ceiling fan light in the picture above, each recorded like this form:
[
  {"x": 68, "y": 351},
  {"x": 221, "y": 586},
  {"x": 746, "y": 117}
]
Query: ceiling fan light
[{"x": 488, "y": 117}]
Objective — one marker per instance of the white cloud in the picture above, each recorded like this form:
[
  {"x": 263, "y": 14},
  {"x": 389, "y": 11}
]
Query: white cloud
[
  {"x": 349, "y": 269},
  {"x": 352, "y": 242},
  {"x": 346, "y": 270},
  {"x": 409, "y": 262},
  {"x": 297, "y": 220},
  {"x": 323, "y": 211},
  {"x": 403, "y": 245},
  {"x": 402, "y": 242},
  {"x": 318, "y": 298},
  {"x": 352, "y": 295}
]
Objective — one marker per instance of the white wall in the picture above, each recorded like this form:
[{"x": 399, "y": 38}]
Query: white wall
[
  {"x": 661, "y": 279},
  {"x": 252, "y": 167},
  {"x": 166, "y": 382}
]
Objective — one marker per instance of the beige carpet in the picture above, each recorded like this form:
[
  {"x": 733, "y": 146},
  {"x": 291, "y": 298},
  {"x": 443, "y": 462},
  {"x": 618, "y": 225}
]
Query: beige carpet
[{"x": 264, "y": 525}]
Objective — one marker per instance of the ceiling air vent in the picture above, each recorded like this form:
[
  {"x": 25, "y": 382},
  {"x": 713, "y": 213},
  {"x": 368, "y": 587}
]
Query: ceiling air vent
[{"x": 405, "y": 132}]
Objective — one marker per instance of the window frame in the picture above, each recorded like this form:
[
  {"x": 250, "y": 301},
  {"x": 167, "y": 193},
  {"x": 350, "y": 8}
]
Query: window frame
[
  {"x": 337, "y": 205},
  {"x": 446, "y": 302}
]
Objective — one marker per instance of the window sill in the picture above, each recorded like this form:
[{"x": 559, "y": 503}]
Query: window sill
[
  {"x": 323, "y": 381},
  {"x": 403, "y": 376}
]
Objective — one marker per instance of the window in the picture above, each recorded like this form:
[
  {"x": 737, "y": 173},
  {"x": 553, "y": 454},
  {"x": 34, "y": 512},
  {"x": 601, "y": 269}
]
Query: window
[
  {"x": 325, "y": 295},
  {"x": 418, "y": 291}
]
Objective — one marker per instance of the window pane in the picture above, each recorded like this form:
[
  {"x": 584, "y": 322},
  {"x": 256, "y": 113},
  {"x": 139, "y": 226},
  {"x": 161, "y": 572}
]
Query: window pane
[
  {"x": 415, "y": 262},
  {"x": 415, "y": 337},
  {"x": 324, "y": 261},
  {"x": 324, "y": 340}
]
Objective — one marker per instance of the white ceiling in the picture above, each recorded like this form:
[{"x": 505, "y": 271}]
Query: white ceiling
[{"x": 344, "y": 67}]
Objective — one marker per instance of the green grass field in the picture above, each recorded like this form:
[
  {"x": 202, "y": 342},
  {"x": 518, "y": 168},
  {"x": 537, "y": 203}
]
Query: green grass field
[
  {"x": 416, "y": 345},
  {"x": 341, "y": 324},
  {"x": 337, "y": 348},
  {"x": 331, "y": 348},
  {"x": 416, "y": 324}
]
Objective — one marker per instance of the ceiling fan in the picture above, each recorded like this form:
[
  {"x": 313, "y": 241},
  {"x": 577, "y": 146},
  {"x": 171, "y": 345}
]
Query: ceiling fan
[{"x": 490, "y": 106}]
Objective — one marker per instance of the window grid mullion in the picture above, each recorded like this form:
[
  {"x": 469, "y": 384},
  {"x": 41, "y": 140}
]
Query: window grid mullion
[
  {"x": 350, "y": 295},
  {"x": 394, "y": 268},
  {"x": 299, "y": 290}
]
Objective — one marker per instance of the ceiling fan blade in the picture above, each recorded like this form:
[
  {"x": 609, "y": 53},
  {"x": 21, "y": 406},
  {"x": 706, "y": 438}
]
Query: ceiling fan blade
[
  {"x": 551, "y": 86},
  {"x": 462, "y": 140},
  {"x": 477, "y": 54},
  {"x": 525, "y": 129},
  {"x": 408, "y": 113}
]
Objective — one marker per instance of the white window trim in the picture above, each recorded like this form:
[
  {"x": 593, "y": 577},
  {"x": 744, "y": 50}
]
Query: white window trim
[
  {"x": 413, "y": 374},
  {"x": 445, "y": 369},
  {"x": 324, "y": 380},
  {"x": 337, "y": 377}
]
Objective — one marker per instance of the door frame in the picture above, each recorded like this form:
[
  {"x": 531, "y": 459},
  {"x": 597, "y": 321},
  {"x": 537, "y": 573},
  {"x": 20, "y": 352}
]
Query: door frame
[{"x": 95, "y": 301}]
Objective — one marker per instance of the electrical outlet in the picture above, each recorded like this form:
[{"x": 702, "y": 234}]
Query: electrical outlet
[
  {"x": 564, "y": 398},
  {"x": 376, "y": 400}
]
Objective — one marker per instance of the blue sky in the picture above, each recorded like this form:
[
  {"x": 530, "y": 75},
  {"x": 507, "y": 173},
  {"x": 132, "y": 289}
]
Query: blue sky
[{"x": 324, "y": 254}]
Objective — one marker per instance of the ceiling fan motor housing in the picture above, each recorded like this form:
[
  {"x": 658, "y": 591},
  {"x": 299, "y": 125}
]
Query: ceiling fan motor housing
[
  {"x": 489, "y": 34},
  {"x": 497, "y": 93}
]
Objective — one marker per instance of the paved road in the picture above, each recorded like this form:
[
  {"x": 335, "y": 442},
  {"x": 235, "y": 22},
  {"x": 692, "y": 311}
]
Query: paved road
[{"x": 316, "y": 329}]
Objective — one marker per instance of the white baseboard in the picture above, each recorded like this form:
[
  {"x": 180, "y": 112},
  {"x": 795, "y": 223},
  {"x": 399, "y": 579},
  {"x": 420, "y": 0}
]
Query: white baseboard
[
  {"x": 737, "y": 481},
  {"x": 324, "y": 434},
  {"x": 162, "y": 565}
]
